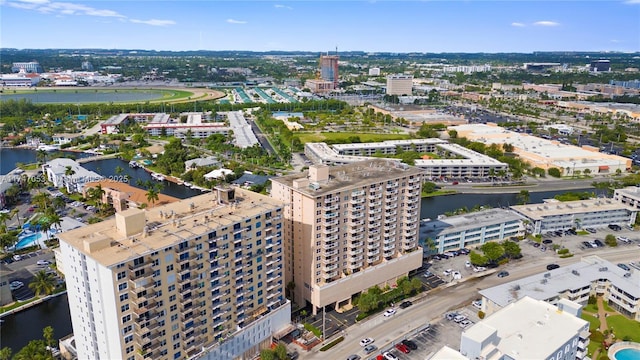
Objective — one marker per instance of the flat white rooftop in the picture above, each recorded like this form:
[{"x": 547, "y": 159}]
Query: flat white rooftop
[{"x": 553, "y": 207}]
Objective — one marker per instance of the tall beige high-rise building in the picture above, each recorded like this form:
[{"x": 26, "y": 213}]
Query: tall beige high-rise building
[
  {"x": 200, "y": 278},
  {"x": 399, "y": 84},
  {"x": 349, "y": 228}
]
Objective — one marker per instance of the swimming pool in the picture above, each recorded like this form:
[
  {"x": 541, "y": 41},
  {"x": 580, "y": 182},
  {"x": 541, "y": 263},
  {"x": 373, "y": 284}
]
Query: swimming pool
[
  {"x": 28, "y": 240},
  {"x": 627, "y": 354}
]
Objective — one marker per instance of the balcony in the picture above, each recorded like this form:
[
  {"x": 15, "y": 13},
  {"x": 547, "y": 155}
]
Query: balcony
[
  {"x": 330, "y": 274},
  {"x": 145, "y": 296},
  {"x": 392, "y": 185},
  {"x": 331, "y": 230},
  {"x": 330, "y": 245},
  {"x": 143, "y": 265},
  {"x": 356, "y": 258},
  {"x": 375, "y": 204},
  {"x": 330, "y": 267},
  {"x": 389, "y": 227},
  {"x": 356, "y": 215},
  {"x": 374, "y": 237},
  {"x": 373, "y": 259},
  {"x": 150, "y": 306},
  {"x": 330, "y": 252},
  {"x": 331, "y": 199},
  {"x": 356, "y": 244},
  {"x": 354, "y": 266},
  {"x": 357, "y": 193},
  {"x": 374, "y": 211},
  {"x": 329, "y": 260},
  {"x": 373, "y": 252},
  {"x": 331, "y": 207},
  {"x": 333, "y": 237},
  {"x": 330, "y": 215},
  {"x": 389, "y": 247},
  {"x": 143, "y": 274},
  {"x": 357, "y": 201},
  {"x": 330, "y": 222},
  {"x": 372, "y": 245},
  {"x": 355, "y": 252},
  {"x": 355, "y": 223}
]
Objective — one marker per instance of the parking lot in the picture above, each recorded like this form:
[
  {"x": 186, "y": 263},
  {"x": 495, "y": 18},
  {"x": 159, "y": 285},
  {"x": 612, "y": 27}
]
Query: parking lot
[{"x": 24, "y": 270}]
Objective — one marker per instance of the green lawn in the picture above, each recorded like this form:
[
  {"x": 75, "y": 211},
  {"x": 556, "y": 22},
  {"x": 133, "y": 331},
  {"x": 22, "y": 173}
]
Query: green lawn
[
  {"x": 624, "y": 328},
  {"x": 592, "y": 308},
  {"x": 594, "y": 323},
  {"x": 343, "y": 137}
]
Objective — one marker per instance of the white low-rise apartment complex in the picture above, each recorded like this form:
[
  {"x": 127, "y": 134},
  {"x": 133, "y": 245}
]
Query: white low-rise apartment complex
[
  {"x": 68, "y": 174},
  {"x": 552, "y": 214},
  {"x": 524, "y": 330},
  {"x": 200, "y": 278},
  {"x": 459, "y": 161},
  {"x": 576, "y": 282},
  {"x": 194, "y": 127},
  {"x": 349, "y": 228},
  {"x": 629, "y": 196},
  {"x": 471, "y": 230}
]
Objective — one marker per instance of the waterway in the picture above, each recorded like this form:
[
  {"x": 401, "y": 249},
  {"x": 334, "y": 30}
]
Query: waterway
[
  {"x": 18, "y": 329},
  {"x": 9, "y": 157}
]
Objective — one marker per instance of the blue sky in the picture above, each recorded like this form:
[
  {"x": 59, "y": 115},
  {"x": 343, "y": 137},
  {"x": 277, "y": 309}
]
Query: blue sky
[{"x": 373, "y": 26}]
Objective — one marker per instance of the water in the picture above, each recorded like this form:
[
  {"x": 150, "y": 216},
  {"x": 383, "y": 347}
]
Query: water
[
  {"x": 627, "y": 354},
  {"x": 79, "y": 97},
  {"x": 20, "y": 328},
  {"x": 9, "y": 157},
  {"x": 434, "y": 206},
  {"x": 28, "y": 240},
  {"x": 107, "y": 168}
]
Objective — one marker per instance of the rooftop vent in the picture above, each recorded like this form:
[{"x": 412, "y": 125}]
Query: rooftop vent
[
  {"x": 603, "y": 269},
  {"x": 575, "y": 272},
  {"x": 547, "y": 275}
]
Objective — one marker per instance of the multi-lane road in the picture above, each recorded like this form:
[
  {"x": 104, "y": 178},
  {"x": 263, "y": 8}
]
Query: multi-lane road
[{"x": 386, "y": 330}]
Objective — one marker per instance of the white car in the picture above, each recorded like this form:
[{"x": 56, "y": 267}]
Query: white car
[
  {"x": 479, "y": 268},
  {"x": 389, "y": 356},
  {"x": 15, "y": 285},
  {"x": 456, "y": 275},
  {"x": 622, "y": 238},
  {"x": 389, "y": 312},
  {"x": 366, "y": 341},
  {"x": 43, "y": 262},
  {"x": 447, "y": 272},
  {"x": 477, "y": 304},
  {"x": 467, "y": 264}
]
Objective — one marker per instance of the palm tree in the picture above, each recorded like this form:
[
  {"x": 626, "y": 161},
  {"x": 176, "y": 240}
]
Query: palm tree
[
  {"x": 16, "y": 212},
  {"x": 68, "y": 171},
  {"x": 54, "y": 219},
  {"x": 119, "y": 170},
  {"x": 42, "y": 199},
  {"x": 41, "y": 156},
  {"x": 152, "y": 195},
  {"x": 5, "y": 353},
  {"x": 47, "y": 334},
  {"x": 3, "y": 218},
  {"x": 43, "y": 283}
]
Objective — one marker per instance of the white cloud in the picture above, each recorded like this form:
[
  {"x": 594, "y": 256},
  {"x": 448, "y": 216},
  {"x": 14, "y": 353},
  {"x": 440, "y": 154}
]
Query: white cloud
[
  {"x": 517, "y": 24},
  {"x": 233, "y": 21},
  {"x": 280, "y": 6},
  {"x": 546, "y": 23},
  {"x": 632, "y": 2},
  {"x": 68, "y": 8},
  {"x": 616, "y": 41},
  {"x": 153, "y": 22}
]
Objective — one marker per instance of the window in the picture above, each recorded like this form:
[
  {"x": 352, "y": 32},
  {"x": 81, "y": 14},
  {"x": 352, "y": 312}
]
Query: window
[
  {"x": 169, "y": 268},
  {"x": 124, "y": 297},
  {"x": 124, "y": 307},
  {"x": 172, "y": 298},
  {"x": 122, "y": 275},
  {"x": 129, "y": 349},
  {"x": 126, "y": 318},
  {"x": 172, "y": 287},
  {"x": 128, "y": 339},
  {"x": 122, "y": 286}
]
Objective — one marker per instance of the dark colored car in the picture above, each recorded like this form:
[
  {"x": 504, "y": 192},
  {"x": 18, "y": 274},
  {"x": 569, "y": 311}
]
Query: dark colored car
[
  {"x": 552, "y": 266},
  {"x": 615, "y": 227},
  {"x": 403, "y": 348},
  {"x": 410, "y": 344},
  {"x": 599, "y": 243},
  {"x": 405, "y": 304},
  {"x": 547, "y": 241},
  {"x": 503, "y": 273}
]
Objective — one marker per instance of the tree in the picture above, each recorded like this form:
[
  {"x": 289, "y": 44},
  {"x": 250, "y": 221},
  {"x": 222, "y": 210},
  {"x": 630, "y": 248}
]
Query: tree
[
  {"x": 267, "y": 354},
  {"x": 41, "y": 156},
  {"x": 47, "y": 334},
  {"x": 610, "y": 240},
  {"x": 477, "y": 258},
  {"x": 555, "y": 172},
  {"x": 523, "y": 197},
  {"x": 34, "y": 350},
  {"x": 119, "y": 170},
  {"x": 68, "y": 171},
  {"x": 3, "y": 218},
  {"x": 492, "y": 250},
  {"x": 43, "y": 283},
  {"x": 281, "y": 351},
  {"x": 152, "y": 195},
  {"x": 512, "y": 249},
  {"x": 5, "y": 353},
  {"x": 429, "y": 187}
]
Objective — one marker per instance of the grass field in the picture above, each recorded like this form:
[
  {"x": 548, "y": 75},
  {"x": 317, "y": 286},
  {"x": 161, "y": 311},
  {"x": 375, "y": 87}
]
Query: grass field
[
  {"x": 164, "y": 95},
  {"x": 623, "y": 328},
  {"x": 344, "y": 136},
  {"x": 594, "y": 323}
]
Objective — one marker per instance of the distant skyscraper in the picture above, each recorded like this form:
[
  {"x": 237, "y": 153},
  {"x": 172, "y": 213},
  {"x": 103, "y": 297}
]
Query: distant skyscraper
[
  {"x": 329, "y": 69},
  {"x": 28, "y": 67},
  {"x": 87, "y": 66}
]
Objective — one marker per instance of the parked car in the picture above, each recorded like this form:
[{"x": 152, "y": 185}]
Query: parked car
[
  {"x": 389, "y": 356},
  {"x": 15, "y": 285},
  {"x": 366, "y": 341},
  {"x": 451, "y": 315},
  {"x": 17, "y": 257},
  {"x": 624, "y": 267},
  {"x": 479, "y": 268},
  {"x": 467, "y": 264},
  {"x": 477, "y": 304},
  {"x": 353, "y": 357},
  {"x": 598, "y": 243},
  {"x": 552, "y": 266},
  {"x": 405, "y": 304},
  {"x": 43, "y": 262},
  {"x": 547, "y": 241},
  {"x": 410, "y": 344},
  {"x": 465, "y": 323},
  {"x": 591, "y": 230},
  {"x": 615, "y": 227},
  {"x": 403, "y": 348},
  {"x": 456, "y": 275},
  {"x": 389, "y": 312},
  {"x": 459, "y": 318},
  {"x": 623, "y": 239},
  {"x": 447, "y": 272},
  {"x": 370, "y": 348},
  {"x": 503, "y": 273}
]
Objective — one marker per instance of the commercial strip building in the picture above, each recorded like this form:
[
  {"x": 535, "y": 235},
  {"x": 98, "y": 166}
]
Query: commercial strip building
[
  {"x": 523, "y": 330},
  {"x": 112, "y": 124},
  {"x": 349, "y": 228},
  {"x": 461, "y": 162},
  {"x": 552, "y": 214},
  {"x": 399, "y": 84},
  {"x": 546, "y": 154},
  {"x": 21, "y": 79},
  {"x": 68, "y": 174},
  {"x": 199, "y": 278},
  {"x": 471, "y": 230},
  {"x": 576, "y": 282},
  {"x": 319, "y": 86},
  {"x": 157, "y": 124},
  {"x": 242, "y": 132}
]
